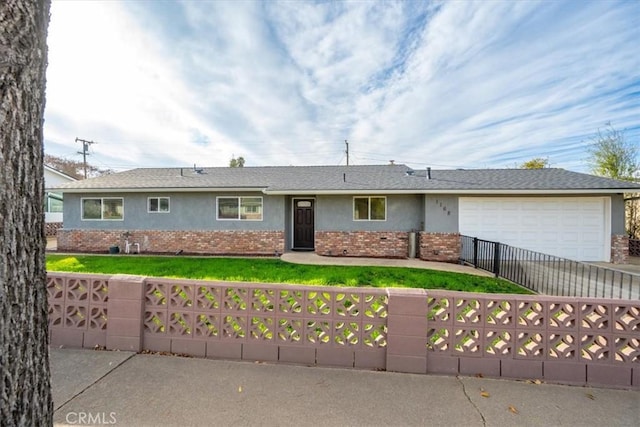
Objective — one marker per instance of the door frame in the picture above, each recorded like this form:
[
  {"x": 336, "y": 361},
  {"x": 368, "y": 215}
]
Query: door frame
[{"x": 293, "y": 220}]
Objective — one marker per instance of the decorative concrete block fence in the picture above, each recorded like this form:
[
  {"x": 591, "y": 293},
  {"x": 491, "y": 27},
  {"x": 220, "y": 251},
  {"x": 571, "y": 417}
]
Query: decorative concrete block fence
[{"x": 554, "y": 339}]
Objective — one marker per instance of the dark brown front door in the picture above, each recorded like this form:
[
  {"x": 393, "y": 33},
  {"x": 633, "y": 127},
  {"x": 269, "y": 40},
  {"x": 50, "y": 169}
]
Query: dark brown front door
[{"x": 303, "y": 222}]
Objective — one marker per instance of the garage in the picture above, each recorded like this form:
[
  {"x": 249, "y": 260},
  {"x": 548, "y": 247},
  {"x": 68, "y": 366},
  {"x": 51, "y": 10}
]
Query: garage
[{"x": 577, "y": 228}]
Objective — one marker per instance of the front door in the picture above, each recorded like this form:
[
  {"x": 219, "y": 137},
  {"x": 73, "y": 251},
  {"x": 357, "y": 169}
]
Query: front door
[{"x": 303, "y": 224}]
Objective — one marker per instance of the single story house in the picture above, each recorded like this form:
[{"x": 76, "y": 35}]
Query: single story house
[
  {"x": 53, "y": 199},
  {"x": 371, "y": 211}
]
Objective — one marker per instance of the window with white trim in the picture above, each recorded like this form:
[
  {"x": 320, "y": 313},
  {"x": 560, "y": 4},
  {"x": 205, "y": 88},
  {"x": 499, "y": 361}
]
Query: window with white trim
[
  {"x": 53, "y": 202},
  {"x": 103, "y": 209},
  {"x": 239, "y": 208},
  {"x": 370, "y": 208},
  {"x": 158, "y": 204}
]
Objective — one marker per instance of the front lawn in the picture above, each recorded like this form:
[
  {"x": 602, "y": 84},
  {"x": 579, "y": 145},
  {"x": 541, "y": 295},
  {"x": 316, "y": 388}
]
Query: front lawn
[{"x": 276, "y": 271}]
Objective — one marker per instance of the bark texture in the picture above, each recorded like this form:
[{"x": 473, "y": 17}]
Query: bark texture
[{"x": 25, "y": 392}]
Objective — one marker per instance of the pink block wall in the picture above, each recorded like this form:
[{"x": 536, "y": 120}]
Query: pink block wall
[{"x": 555, "y": 339}]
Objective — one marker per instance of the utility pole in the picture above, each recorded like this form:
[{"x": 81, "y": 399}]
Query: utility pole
[
  {"x": 84, "y": 152},
  {"x": 347, "y": 151}
]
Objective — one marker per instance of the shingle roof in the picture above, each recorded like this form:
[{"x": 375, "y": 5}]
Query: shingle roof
[{"x": 344, "y": 179}]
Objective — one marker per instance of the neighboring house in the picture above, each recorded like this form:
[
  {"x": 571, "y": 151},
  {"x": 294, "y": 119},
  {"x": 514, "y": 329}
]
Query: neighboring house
[
  {"x": 53, "y": 199},
  {"x": 347, "y": 211}
]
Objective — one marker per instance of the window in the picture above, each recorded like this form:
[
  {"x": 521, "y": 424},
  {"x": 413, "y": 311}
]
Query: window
[
  {"x": 369, "y": 208},
  {"x": 158, "y": 204},
  {"x": 107, "y": 208},
  {"x": 53, "y": 203},
  {"x": 242, "y": 208}
]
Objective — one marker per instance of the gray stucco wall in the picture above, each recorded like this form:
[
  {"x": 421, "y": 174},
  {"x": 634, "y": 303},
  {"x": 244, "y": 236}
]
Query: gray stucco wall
[
  {"x": 197, "y": 211},
  {"x": 188, "y": 211},
  {"x": 335, "y": 213},
  {"x": 441, "y": 213},
  {"x": 618, "y": 215}
]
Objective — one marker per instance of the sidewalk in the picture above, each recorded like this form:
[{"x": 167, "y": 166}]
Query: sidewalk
[{"x": 128, "y": 389}]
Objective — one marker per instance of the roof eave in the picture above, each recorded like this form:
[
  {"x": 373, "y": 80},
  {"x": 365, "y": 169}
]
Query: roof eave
[
  {"x": 160, "y": 190},
  {"x": 292, "y": 192},
  {"x": 61, "y": 174},
  {"x": 450, "y": 191}
]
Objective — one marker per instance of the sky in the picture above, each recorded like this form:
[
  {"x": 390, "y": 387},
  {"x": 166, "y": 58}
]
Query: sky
[{"x": 452, "y": 84}]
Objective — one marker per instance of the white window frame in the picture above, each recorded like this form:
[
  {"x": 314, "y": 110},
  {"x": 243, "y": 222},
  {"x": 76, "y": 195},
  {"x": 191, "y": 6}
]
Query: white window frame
[
  {"x": 102, "y": 199},
  {"x": 158, "y": 199},
  {"x": 239, "y": 199},
  {"x": 369, "y": 208},
  {"x": 53, "y": 196}
]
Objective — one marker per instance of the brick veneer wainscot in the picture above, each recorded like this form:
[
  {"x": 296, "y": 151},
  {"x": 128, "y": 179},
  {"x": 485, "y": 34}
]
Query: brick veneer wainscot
[
  {"x": 376, "y": 244},
  {"x": 441, "y": 247},
  {"x": 190, "y": 241}
]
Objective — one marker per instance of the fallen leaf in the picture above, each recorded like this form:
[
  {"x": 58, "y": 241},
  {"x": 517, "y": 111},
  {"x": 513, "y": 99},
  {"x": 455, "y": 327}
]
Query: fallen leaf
[
  {"x": 240, "y": 389},
  {"x": 537, "y": 382},
  {"x": 484, "y": 393},
  {"x": 513, "y": 409},
  {"x": 591, "y": 396},
  {"x": 479, "y": 376}
]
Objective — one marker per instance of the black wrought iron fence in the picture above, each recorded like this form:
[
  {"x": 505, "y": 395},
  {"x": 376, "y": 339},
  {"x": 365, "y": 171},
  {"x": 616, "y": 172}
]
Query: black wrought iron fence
[
  {"x": 634, "y": 247},
  {"x": 548, "y": 274}
]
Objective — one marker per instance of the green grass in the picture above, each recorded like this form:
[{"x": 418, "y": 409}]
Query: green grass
[{"x": 276, "y": 271}]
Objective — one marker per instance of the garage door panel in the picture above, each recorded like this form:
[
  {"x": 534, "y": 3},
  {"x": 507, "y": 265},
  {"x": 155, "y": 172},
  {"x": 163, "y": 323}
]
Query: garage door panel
[
  {"x": 549, "y": 206},
  {"x": 590, "y": 253},
  {"x": 571, "y": 253},
  {"x": 533, "y": 221},
  {"x": 567, "y": 227},
  {"x": 591, "y": 222},
  {"x": 548, "y": 220},
  {"x": 509, "y": 224},
  {"x": 548, "y": 238},
  {"x": 571, "y": 237}
]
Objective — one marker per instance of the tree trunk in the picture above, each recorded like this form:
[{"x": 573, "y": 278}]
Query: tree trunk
[{"x": 25, "y": 391}]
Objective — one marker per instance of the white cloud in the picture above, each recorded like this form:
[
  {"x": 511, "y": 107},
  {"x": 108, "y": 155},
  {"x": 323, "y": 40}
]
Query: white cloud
[
  {"x": 107, "y": 80},
  {"x": 457, "y": 84}
]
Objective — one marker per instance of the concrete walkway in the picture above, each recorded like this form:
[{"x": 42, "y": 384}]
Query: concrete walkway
[
  {"x": 313, "y": 258},
  {"x": 128, "y": 389}
]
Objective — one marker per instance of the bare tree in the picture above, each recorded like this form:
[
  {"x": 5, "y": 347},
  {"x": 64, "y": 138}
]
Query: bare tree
[
  {"x": 73, "y": 168},
  {"x": 25, "y": 391}
]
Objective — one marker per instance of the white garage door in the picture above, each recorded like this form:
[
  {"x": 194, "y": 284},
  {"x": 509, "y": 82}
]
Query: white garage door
[{"x": 574, "y": 228}]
